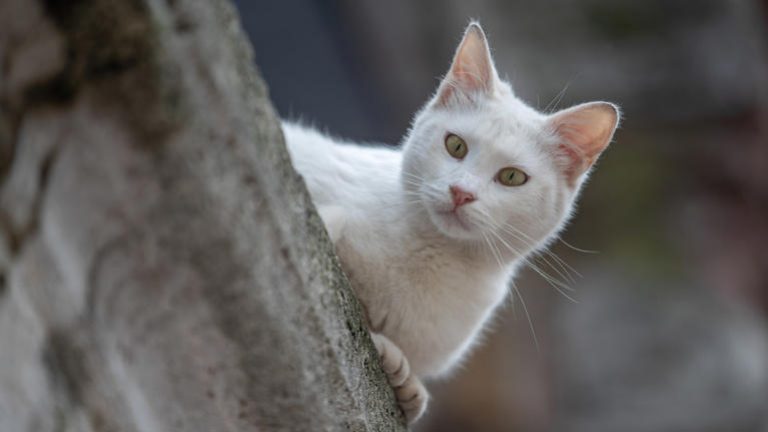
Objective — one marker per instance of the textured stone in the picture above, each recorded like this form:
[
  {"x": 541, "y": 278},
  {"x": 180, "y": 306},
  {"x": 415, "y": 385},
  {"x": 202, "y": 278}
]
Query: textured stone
[{"x": 165, "y": 267}]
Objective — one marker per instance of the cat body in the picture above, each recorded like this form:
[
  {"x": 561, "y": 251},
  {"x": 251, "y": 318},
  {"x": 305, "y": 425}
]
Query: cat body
[
  {"x": 430, "y": 233},
  {"x": 418, "y": 288}
]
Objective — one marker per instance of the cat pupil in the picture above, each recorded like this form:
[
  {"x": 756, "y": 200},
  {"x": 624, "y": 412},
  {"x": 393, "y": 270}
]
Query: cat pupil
[{"x": 455, "y": 146}]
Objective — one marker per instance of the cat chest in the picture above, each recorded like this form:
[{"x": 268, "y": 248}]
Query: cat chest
[
  {"x": 435, "y": 325},
  {"x": 426, "y": 282},
  {"x": 431, "y": 308}
]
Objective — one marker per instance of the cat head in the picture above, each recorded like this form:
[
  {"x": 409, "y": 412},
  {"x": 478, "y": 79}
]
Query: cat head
[{"x": 487, "y": 167}]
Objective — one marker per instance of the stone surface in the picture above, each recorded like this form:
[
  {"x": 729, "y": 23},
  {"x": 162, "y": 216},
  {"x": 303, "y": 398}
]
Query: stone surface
[{"x": 162, "y": 265}]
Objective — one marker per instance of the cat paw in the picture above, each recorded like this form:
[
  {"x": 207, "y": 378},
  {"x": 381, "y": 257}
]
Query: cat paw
[
  {"x": 412, "y": 397},
  {"x": 410, "y": 393}
]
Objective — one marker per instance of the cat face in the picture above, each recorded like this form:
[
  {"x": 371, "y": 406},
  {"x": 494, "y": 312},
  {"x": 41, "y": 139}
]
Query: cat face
[{"x": 486, "y": 167}]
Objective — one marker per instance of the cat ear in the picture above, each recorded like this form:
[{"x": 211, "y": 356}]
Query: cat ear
[
  {"x": 472, "y": 71},
  {"x": 584, "y": 131}
]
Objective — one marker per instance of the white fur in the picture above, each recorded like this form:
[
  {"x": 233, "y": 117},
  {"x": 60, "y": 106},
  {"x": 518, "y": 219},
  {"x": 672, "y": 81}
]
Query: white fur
[{"x": 427, "y": 281}]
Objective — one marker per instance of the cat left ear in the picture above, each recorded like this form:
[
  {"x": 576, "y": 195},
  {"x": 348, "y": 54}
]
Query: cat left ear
[
  {"x": 584, "y": 131},
  {"x": 472, "y": 71}
]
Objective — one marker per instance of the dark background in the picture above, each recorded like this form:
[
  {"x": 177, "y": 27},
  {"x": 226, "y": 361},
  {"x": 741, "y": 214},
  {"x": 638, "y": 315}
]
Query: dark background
[{"x": 667, "y": 330}]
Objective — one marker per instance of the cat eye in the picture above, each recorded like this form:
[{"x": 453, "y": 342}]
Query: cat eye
[
  {"x": 511, "y": 177},
  {"x": 456, "y": 146}
]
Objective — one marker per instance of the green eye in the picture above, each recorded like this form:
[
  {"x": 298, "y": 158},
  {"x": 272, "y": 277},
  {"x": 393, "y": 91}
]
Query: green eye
[
  {"x": 511, "y": 177},
  {"x": 456, "y": 146}
]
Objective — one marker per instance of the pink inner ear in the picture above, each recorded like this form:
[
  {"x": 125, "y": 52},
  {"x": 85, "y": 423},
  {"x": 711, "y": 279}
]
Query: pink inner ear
[
  {"x": 586, "y": 130},
  {"x": 472, "y": 68},
  {"x": 576, "y": 162}
]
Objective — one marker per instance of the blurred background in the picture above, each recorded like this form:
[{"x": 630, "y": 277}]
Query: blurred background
[{"x": 666, "y": 329}]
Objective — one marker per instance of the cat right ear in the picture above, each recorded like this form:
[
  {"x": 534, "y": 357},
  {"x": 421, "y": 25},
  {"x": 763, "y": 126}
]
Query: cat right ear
[
  {"x": 472, "y": 71},
  {"x": 584, "y": 131}
]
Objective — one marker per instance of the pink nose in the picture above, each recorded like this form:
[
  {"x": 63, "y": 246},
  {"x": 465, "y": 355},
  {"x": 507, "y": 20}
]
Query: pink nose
[{"x": 460, "y": 196}]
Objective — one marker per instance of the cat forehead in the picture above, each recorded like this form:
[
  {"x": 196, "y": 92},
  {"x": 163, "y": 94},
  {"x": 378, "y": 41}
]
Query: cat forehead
[{"x": 507, "y": 125}]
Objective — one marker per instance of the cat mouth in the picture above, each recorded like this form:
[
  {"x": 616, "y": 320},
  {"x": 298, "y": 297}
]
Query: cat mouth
[{"x": 454, "y": 218}]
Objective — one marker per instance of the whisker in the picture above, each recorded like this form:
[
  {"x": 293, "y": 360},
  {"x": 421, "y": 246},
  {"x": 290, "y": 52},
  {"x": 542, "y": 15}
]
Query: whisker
[
  {"x": 559, "y": 268},
  {"x": 494, "y": 251},
  {"x": 577, "y": 249},
  {"x": 556, "y": 284},
  {"x": 566, "y": 268},
  {"x": 552, "y": 105},
  {"x": 527, "y": 315}
]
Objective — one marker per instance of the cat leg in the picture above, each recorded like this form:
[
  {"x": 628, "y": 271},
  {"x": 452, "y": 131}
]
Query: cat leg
[
  {"x": 334, "y": 218},
  {"x": 410, "y": 393}
]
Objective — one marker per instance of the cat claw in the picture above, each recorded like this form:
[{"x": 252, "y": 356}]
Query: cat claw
[{"x": 410, "y": 393}]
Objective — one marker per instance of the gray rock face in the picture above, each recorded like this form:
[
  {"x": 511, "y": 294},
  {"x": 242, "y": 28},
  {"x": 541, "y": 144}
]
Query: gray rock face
[{"x": 162, "y": 265}]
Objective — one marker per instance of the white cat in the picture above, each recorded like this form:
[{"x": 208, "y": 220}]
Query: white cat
[{"x": 431, "y": 233}]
